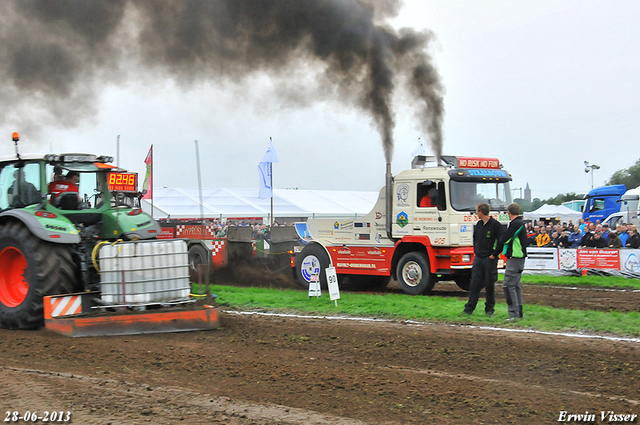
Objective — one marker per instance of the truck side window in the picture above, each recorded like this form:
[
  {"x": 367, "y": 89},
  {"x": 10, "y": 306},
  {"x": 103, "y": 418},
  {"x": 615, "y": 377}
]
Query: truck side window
[
  {"x": 598, "y": 204},
  {"x": 442, "y": 200},
  {"x": 431, "y": 194},
  {"x": 427, "y": 194}
]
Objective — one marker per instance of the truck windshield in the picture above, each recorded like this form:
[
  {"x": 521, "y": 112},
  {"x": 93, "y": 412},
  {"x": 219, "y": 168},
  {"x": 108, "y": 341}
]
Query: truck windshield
[{"x": 465, "y": 195}]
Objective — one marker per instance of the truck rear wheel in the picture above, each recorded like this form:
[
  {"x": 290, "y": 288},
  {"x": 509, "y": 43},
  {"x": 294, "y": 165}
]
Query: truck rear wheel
[
  {"x": 30, "y": 269},
  {"x": 414, "y": 275},
  {"x": 311, "y": 264}
]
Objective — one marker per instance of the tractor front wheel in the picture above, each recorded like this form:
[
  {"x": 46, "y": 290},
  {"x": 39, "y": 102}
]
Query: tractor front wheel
[{"x": 30, "y": 269}]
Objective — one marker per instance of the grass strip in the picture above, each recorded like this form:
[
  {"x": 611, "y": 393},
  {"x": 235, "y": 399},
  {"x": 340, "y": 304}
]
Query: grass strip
[
  {"x": 613, "y": 282},
  {"x": 428, "y": 308}
]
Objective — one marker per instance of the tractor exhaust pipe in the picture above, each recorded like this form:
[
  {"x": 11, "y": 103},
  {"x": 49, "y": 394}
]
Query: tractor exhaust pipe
[{"x": 388, "y": 201}]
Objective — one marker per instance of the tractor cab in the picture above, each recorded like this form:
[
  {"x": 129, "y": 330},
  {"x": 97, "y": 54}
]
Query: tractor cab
[{"x": 83, "y": 188}]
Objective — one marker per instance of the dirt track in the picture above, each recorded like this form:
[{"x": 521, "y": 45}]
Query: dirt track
[{"x": 275, "y": 370}]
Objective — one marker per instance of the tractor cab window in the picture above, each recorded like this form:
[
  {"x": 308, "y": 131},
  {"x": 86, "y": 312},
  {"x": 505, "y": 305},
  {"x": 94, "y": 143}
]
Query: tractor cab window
[
  {"x": 20, "y": 186},
  {"x": 125, "y": 199},
  {"x": 89, "y": 190},
  {"x": 88, "y": 194}
]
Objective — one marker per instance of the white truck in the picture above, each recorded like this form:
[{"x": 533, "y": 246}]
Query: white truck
[
  {"x": 629, "y": 210},
  {"x": 420, "y": 230}
]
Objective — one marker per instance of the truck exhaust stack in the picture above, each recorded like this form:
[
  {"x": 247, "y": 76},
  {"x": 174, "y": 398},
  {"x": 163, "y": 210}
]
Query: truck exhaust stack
[{"x": 388, "y": 201}]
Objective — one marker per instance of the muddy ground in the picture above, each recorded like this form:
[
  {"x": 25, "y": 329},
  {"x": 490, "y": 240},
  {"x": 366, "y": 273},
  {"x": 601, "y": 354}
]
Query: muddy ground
[{"x": 259, "y": 369}]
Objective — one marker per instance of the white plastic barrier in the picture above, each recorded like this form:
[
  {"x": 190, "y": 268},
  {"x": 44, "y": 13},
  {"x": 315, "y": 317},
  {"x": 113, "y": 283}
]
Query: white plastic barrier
[
  {"x": 541, "y": 259},
  {"x": 144, "y": 272}
]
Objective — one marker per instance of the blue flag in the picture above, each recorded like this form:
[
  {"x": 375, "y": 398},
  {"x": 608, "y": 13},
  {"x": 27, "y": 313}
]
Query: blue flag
[{"x": 264, "y": 171}]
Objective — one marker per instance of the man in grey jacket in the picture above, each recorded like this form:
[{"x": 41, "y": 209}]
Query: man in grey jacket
[{"x": 514, "y": 242}]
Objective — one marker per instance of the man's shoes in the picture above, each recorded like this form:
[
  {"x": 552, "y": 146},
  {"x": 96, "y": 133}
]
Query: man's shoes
[
  {"x": 466, "y": 313},
  {"x": 489, "y": 313},
  {"x": 512, "y": 319}
]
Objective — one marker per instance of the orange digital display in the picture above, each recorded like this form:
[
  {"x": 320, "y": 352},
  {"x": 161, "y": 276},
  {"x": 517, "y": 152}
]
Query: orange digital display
[{"x": 123, "y": 182}]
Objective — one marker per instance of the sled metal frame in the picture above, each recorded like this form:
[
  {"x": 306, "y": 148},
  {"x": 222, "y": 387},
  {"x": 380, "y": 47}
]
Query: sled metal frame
[{"x": 84, "y": 323}]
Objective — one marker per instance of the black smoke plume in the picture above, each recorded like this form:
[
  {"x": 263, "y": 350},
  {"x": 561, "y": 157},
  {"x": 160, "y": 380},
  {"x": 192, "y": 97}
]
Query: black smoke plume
[{"x": 57, "y": 56}]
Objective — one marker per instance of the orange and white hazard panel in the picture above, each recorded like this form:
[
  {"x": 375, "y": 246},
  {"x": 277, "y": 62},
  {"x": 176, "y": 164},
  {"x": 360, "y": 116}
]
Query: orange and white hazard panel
[{"x": 66, "y": 306}]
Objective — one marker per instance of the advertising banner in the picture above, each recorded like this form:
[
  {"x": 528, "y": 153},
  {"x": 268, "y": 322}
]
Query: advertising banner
[
  {"x": 599, "y": 259},
  {"x": 630, "y": 260}
]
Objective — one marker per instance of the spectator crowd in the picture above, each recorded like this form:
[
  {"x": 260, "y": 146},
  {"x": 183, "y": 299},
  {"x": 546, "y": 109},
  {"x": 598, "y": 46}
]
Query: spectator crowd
[{"x": 582, "y": 235}]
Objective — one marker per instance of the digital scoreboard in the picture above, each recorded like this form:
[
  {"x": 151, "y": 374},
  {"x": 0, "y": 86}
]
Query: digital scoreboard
[{"x": 123, "y": 182}]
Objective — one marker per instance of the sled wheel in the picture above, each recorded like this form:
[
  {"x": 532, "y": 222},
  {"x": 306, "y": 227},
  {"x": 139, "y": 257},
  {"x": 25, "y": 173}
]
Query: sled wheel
[{"x": 198, "y": 256}]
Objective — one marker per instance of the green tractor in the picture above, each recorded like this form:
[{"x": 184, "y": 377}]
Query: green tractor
[{"x": 48, "y": 244}]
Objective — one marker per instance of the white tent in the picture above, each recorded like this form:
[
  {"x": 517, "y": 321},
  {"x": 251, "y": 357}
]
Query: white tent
[
  {"x": 244, "y": 203},
  {"x": 559, "y": 212}
]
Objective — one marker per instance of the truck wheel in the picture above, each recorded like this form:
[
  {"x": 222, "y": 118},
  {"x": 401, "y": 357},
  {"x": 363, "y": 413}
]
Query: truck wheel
[
  {"x": 30, "y": 269},
  {"x": 311, "y": 263},
  {"x": 463, "y": 280},
  {"x": 198, "y": 256},
  {"x": 414, "y": 276}
]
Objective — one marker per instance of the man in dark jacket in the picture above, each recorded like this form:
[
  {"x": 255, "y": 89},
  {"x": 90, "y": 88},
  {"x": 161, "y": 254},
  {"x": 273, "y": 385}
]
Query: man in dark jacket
[
  {"x": 486, "y": 234},
  {"x": 515, "y": 249},
  {"x": 596, "y": 241}
]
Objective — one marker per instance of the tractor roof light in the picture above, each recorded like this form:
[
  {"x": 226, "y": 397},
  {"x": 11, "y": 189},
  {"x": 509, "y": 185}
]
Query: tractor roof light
[
  {"x": 52, "y": 157},
  {"x": 104, "y": 158}
]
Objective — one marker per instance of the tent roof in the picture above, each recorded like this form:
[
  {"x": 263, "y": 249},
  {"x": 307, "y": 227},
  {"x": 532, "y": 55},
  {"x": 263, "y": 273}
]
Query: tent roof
[
  {"x": 236, "y": 203},
  {"x": 554, "y": 211}
]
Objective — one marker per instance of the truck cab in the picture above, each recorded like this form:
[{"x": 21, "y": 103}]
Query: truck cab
[
  {"x": 602, "y": 202},
  {"x": 422, "y": 234}
]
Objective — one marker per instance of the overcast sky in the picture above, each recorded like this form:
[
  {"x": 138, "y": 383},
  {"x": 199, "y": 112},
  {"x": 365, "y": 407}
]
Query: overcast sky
[{"x": 543, "y": 86}]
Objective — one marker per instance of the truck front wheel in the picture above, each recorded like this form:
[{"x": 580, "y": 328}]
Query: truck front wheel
[
  {"x": 30, "y": 269},
  {"x": 414, "y": 276},
  {"x": 310, "y": 265}
]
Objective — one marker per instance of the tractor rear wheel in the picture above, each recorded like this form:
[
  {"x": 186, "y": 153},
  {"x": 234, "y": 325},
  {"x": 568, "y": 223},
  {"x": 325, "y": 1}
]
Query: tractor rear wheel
[{"x": 30, "y": 269}]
